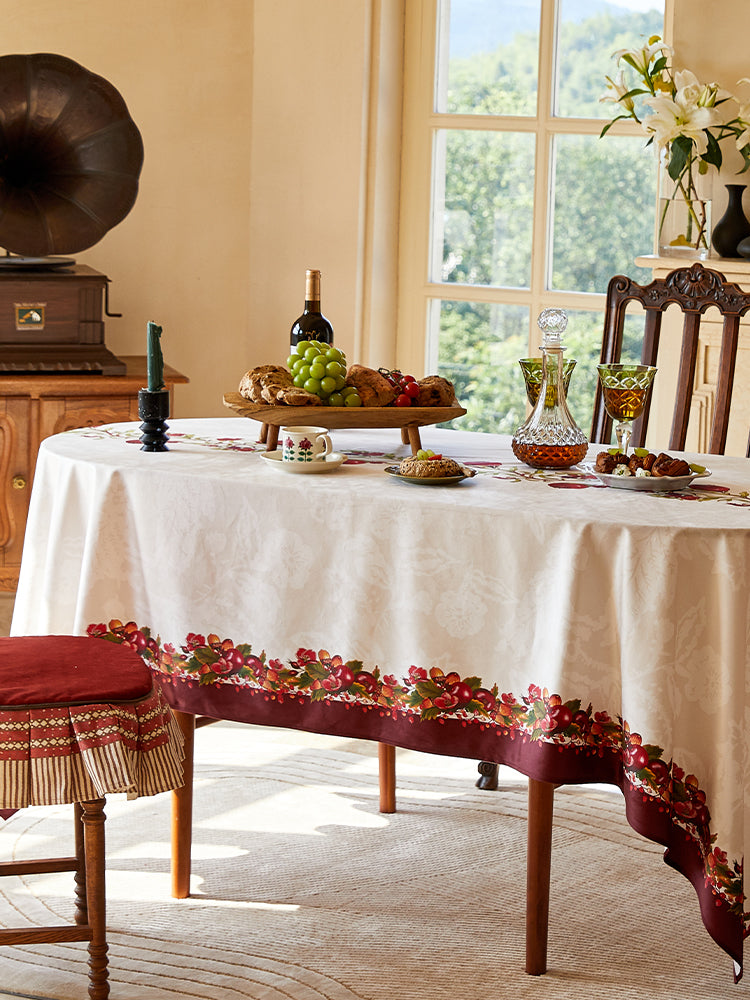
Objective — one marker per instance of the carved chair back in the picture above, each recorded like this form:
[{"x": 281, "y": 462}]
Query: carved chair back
[{"x": 693, "y": 289}]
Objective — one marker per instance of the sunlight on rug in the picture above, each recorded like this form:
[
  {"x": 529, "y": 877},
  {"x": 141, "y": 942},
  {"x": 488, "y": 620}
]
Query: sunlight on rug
[{"x": 302, "y": 890}]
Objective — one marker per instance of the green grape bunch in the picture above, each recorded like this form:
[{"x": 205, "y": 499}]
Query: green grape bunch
[{"x": 320, "y": 369}]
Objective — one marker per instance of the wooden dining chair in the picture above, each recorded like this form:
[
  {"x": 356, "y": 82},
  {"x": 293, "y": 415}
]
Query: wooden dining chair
[
  {"x": 80, "y": 717},
  {"x": 693, "y": 290}
]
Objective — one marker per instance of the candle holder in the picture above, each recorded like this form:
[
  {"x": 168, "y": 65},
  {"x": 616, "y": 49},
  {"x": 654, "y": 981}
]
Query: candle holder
[{"x": 153, "y": 409}]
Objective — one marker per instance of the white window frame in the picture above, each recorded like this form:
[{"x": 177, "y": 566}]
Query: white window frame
[{"x": 415, "y": 353}]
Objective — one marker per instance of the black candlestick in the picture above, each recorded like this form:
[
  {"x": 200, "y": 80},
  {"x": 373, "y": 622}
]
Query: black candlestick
[{"x": 153, "y": 409}]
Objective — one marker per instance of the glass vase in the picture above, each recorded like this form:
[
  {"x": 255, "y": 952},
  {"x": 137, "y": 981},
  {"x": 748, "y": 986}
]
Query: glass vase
[{"x": 684, "y": 221}]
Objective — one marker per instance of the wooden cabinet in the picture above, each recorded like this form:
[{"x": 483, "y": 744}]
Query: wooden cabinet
[{"x": 32, "y": 407}]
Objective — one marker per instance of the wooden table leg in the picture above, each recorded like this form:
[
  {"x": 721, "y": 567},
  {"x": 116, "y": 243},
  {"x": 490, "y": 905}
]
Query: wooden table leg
[
  {"x": 387, "y": 775},
  {"x": 538, "y": 861},
  {"x": 182, "y": 813},
  {"x": 272, "y": 438},
  {"x": 414, "y": 439}
]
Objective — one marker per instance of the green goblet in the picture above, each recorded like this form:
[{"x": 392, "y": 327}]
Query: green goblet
[
  {"x": 532, "y": 376},
  {"x": 625, "y": 389}
]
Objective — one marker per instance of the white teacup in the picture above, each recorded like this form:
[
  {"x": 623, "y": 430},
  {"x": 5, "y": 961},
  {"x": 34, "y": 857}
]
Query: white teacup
[{"x": 304, "y": 444}]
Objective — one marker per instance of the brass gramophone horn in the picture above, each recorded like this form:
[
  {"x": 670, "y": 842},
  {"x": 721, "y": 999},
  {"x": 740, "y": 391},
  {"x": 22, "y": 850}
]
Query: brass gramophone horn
[{"x": 70, "y": 156}]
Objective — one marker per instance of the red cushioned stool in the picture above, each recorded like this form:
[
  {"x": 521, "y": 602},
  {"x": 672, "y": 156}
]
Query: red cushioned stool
[{"x": 80, "y": 718}]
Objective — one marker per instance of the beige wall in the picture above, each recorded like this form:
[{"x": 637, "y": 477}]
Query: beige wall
[
  {"x": 271, "y": 130},
  {"x": 253, "y": 121},
  {"x": 710, "y": 38}
]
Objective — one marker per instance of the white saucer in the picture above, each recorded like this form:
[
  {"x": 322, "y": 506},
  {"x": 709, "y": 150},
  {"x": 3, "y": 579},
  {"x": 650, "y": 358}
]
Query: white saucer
[{"x": 329, "y": 464}]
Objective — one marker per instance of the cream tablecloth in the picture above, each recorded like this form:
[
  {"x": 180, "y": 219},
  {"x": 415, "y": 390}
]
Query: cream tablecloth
[{"x": 576, "y": 632}]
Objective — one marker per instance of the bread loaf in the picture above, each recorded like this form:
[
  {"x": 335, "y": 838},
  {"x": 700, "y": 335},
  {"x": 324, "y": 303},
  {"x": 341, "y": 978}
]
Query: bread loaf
[
  {"x": 373, "y": 389},
  {"x": 432, "y": 468},
  {"x": 436, "y": 391}
]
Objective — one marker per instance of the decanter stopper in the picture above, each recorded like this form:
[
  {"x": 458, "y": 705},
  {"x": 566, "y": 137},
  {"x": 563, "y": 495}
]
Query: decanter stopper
[
  {"x": 552, "y": 323},
  {"x": 550, "y": 437}
]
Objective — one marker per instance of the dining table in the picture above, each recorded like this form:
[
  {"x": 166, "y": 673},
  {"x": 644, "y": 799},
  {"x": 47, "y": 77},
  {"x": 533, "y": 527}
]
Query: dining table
[{"x": 547, "y": 620}]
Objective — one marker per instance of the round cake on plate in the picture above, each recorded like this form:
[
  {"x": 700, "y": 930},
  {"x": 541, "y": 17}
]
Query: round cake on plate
[{"x": 430, "y": 468}]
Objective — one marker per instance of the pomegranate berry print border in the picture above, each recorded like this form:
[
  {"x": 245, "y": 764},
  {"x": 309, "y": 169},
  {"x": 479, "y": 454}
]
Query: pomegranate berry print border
[{"x": 431, "y": 694}]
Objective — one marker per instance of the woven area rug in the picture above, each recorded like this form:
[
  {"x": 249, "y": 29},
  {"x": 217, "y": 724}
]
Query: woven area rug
[{"x": 302, "y": 890}]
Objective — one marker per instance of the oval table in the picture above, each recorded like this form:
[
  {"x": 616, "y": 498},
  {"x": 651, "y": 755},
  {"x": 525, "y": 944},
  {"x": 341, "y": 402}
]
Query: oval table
[{"x": 543, "y": 620}]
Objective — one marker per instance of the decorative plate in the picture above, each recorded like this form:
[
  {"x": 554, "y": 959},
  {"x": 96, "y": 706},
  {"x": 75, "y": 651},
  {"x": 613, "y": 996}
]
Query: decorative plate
[
  {"x": 392, "y": 470},
  {"x": 329, "y": 464},
  {"x": 647, "y": 484}
]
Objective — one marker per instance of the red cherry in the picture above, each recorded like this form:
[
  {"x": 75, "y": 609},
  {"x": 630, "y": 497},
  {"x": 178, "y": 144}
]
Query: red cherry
[
  {"x": 486, "y": 698},
  {"x": 408, "y": 378},
  {"x": 659, "y": 769},
  {"x": 403, "y": 400},
  {"x": 461, "y": 692},
  {"x": 636, "y": 758},
  {"x": 561, "y": 716},
  {"x": 367, "y": 681},
  {"x": 411, "y": 389},
  {"x": 137, "y": 641},
  {"x": 345, "y": 676}
]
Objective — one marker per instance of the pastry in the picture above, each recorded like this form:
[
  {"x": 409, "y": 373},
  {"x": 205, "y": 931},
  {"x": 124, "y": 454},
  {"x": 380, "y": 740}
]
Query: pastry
[
  {"x": 643, "y": 464},
  {"x": 373, "y": 389},
  {"x": 252, "y": 382},
  {"x": 606, "y": 461},
  {"x": 298, "y": 397},
  {"x": 431, "y": 468},
  {"x": 665, "y": 465},
  {"x": 436, "y": 391}
]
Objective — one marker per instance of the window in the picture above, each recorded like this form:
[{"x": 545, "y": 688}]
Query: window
[{"x": 510, "y": 200}]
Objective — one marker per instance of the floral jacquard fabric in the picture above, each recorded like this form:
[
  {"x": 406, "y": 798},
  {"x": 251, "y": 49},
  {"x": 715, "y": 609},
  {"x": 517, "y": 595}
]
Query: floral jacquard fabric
[
  {"x": 430, "y": 694},
  {"x": 573, "y": 631}
]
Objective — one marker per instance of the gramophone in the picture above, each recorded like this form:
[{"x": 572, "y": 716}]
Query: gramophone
[{"x": 70, "y": 159}]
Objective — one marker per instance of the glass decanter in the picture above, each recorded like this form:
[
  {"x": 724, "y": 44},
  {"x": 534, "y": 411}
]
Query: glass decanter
[{"x": 550, "y": 438}]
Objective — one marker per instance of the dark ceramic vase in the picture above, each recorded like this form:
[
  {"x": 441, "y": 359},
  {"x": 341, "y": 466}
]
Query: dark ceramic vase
[{"x": 732, "y": 227}]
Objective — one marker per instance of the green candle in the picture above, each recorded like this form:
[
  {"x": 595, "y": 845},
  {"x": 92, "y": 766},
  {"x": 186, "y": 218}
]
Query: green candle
[{"x": 154, "y": 359}]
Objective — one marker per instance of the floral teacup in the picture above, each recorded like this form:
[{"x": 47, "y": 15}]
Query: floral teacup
[{"x": 304, "y": 444}]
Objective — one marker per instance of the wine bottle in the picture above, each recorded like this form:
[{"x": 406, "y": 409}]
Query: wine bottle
[{"x": 312, "y": 324}]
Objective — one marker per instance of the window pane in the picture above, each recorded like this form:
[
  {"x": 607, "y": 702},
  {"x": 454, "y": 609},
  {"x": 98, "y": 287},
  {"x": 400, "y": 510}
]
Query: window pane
[
  {"x": 604, "y": 206},
  {"x": 479, "y": 345},
  {"x": 482, "y": 208},
  {"x": 488, "y": 56},
  {"x": 589, "y": 32}
]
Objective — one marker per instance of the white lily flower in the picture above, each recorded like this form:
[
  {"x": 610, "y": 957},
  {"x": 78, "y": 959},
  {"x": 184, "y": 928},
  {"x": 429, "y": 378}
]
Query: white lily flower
[
  {"x": 680, "y": 116},
  {"x": 743, "y": 116},
  {"x": 642, "y": 57},
  {"x": 616, "y": 90}
]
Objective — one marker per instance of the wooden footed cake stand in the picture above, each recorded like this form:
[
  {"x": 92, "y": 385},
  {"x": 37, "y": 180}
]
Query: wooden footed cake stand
[{"x": 407, "y": 418}]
